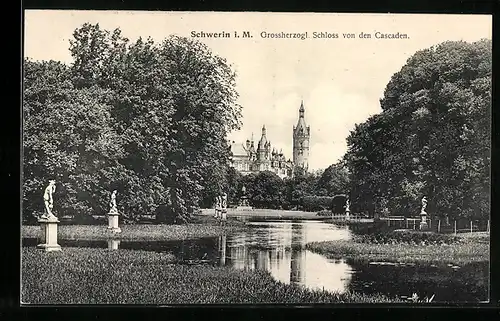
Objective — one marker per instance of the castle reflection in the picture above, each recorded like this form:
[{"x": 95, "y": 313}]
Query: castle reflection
[{"x": 280, "y": 249}]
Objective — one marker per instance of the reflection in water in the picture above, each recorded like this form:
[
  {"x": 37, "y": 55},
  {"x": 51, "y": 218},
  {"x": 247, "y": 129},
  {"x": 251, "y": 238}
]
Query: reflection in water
[
  {"x": 279, "y": 247},
  {"x": 113, "y": 244},
  {"x": 222, "y": 250}
]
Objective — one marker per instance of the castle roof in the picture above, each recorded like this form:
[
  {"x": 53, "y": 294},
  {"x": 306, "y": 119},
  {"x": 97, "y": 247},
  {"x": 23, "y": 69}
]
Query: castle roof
[
  {"x": 238, "y": 149},
  {"x": 301, "y": 123}
]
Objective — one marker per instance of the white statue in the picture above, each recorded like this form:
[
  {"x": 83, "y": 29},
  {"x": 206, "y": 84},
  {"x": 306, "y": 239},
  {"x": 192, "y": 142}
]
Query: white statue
[
  {"x": 48, "y": 199},
  {"x": 217, "y": 206},
  {"x": 112, "y": 203},
  {"x": 347, "y": 206},
  {"x": 424, "y": 205},
  {"x": 224, "y": 201},
  {"x": 224, "y": 206}
]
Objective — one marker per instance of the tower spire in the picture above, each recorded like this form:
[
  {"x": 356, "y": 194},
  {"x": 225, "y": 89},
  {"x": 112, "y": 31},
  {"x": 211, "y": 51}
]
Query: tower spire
[{"x": 301, "y": 109}]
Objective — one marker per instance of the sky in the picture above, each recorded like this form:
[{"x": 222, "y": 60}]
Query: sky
[{"x": 340, "y": 80}]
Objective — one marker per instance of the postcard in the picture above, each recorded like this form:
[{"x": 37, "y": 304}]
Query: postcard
[{"x": 177, "y": 158}]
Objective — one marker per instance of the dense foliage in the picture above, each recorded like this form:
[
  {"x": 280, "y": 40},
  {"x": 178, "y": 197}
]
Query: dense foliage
[
  {"x": 308, "y": 191},
  {"x": 147, "y": 119},
  {"x": 432, "y": 137},
  {"x": 409, "y": 237}
]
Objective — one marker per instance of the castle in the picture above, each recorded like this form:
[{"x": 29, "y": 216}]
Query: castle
[{"x": 248, "y": 159}]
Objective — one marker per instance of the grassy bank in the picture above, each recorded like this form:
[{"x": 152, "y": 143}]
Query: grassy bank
[
  {"x": 98, "y": 276},
  {"x": 466, "y": 249},
  {"x": 201, "y": 227}
]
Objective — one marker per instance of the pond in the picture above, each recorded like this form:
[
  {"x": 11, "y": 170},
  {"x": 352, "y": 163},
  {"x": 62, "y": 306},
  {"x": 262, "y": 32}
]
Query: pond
[{"x": 279, "y": 247}]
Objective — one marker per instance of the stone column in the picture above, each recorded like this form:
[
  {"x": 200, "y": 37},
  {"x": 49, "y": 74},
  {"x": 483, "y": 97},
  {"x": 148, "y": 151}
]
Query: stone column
[
  {"x": 49, "y": 234},
  {"x": 113, "y": 222}
]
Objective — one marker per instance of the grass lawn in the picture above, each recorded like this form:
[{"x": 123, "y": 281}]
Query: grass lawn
[
  {"x": 470, "y": 248},
  {"x": 201, "y": 227},
  {"x": 99, "y": 276}
]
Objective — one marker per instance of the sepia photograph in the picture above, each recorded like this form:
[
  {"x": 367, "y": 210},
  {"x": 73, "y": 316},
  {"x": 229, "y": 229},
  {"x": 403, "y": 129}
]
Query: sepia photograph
[{"x": 228, "y": 158}]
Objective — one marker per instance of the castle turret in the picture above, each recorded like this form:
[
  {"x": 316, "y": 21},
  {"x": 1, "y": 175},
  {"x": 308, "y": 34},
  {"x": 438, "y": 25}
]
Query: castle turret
[
  {"x": 301, "y": 136},
  {"x": 262, "y": 145}
]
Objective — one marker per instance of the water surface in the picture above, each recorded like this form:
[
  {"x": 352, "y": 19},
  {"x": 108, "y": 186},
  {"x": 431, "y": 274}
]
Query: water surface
[{"x": 279, "y": 247}]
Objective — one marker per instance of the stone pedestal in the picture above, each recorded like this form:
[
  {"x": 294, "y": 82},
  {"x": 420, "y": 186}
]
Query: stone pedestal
[
  {"x": 347, "y": 215},
  {"x": 49, "y": 234},
  {"x": 113, "y": 223},
  {"x": 423, "y": 221}
]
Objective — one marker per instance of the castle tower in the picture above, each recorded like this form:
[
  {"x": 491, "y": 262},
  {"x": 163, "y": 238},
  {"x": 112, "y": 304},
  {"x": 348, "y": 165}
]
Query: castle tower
[{"x": 301, "y": 135}]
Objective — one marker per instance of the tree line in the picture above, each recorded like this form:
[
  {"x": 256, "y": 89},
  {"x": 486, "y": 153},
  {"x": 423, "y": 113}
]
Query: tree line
[
  {"x": 432, "y": 137},
  {"x": 151, "y": 120},
  {"x": 303, "y": 191}
]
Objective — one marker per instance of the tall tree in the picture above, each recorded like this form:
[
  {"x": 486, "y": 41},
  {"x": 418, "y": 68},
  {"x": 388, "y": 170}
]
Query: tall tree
[
  {"x": 168, "y": 108},
  {"x": 265, "y": 190},
  {"x": 432, "y": 137},
  {"x": 334, "y": 180},
  {"x": 67, "y": 137}
]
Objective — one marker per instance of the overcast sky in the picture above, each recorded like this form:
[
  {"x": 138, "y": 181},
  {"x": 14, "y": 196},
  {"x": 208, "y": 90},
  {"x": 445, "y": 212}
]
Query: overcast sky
[{"x": 340, "y": 80}]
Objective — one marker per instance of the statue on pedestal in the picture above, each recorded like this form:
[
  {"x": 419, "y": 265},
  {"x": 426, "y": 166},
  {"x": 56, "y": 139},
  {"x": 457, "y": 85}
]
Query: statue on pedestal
[
  {"x": 112, "y": 203},
  {"x": 217, "y": 206},
  {"x": 424, "y": 205},
  {"x": 224, "y": 205},
  {"x": 244, "y": 198},
  {"x": 223, "y": 198},
  {"x": 48, "y": 221},
  {"x": 347, "y": 208},
  {"x": 423, "y": 214},
  {"x": 113, "y": 214},
  {"x": 49, "y": 200}
]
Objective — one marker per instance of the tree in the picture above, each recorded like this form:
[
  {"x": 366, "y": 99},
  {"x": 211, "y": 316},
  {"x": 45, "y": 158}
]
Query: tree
[
  {"x": 168, "y": 108},
  {"x": 432, "y": 137},
  {"x": 300, "y": 185},
  {"x": 67, "y": 137},
  {"x": 334, "y": 180},
  {"x": 265, "y": 190}
]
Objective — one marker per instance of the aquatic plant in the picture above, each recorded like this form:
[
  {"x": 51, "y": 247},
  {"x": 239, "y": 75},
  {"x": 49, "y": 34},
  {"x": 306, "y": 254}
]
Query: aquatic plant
[
  {"x": 459, "y": 252},
  {"x": 98, "y": 276},
  {"x": 407, "y": 237},
  {"x": 416, "y": 299}
]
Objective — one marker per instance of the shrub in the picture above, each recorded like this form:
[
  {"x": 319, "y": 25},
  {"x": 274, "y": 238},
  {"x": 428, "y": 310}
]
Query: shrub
[
  {"x": 317, "y": 203},
  {"x": 324, "y": 213}
]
